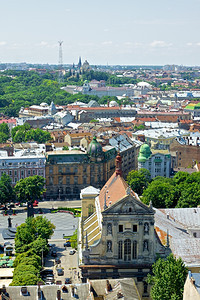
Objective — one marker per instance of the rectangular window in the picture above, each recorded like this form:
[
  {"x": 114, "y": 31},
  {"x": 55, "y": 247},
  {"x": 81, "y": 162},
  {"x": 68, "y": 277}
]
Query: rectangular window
[
  {"x": 59, "y": 169},
  {"x": 68, "y": 180},
  {"x": 22, "y": 172},
  {"x": 34, "y": 172},
  {"x": 10, "y": 173},
  {"x": 134, "y": 249},
  {"x": 120, "y": 245},
  {"x": 84, "y": 180},
  {"x": 29, "y": 172},
  {"x": 15, "y": 173},
  {"x": 50, "y": 170},
  {"x": 134, "y": 228},
  {"x": 75, "y": 180},
  {"x": 50, "y": 180},
  {"x": 120, "y": 228},
  {"x": 15, "y": 179},
  {"x": 60, "y": 180}
]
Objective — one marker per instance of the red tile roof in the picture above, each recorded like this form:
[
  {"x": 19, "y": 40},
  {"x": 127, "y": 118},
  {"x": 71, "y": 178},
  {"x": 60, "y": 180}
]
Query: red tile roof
[{"x": 116, "y": 187}]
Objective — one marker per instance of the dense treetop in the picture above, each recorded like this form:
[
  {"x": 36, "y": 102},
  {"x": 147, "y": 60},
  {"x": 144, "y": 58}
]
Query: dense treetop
[
  {"x": 168, "y": 279},
  {"x": 182, "y": 190},
  {"x": 24, "y": 88}
]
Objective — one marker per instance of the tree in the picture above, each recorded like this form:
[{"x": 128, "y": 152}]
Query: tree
[
  {"x": 7, "y": 194},
  {"x": 28, "y": 257},
  {"x": 139, "y": 180},
  {"x": 160, "y": 192},
  {"x": 168, "y": 279},
  {"x": 33, "y": 234},
  {"x": 5, "y": 130},
  {"x": 30, "y": 188},
  {"x": 65, "y": 148}
]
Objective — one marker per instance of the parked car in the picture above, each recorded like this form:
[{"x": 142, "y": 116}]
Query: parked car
[
  {"x": 35, "y": 204},
  {"x": 53, "y": 253},
  {"x": 57, "y": 260},
  {"x": 46, "y": 272},
  {"x": 72, "y": 251},
  {"x": 68, "y": 280},
  {"x": 60, "y": 272},
  {"x": 49, "y": 282},
  {"x": 49, "y": 279},
  {"x": 67, "y": 244}
]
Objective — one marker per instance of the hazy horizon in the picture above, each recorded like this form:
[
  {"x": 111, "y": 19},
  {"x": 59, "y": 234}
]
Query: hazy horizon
[{"x": 110, "y": 32}]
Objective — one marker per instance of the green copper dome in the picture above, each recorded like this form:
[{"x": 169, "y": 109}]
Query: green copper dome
[
  {"x": 145, "y": 152},
  {"x": 94, "y": 148}
]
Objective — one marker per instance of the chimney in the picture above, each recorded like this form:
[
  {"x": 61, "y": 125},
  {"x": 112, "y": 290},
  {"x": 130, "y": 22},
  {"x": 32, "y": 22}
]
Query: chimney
[{"x": 118, "y": 165}]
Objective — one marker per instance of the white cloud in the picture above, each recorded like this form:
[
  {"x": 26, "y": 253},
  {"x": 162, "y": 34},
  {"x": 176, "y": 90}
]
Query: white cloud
[
  {"x": 160, "y": 44},
  {"x": 189, "y": 44},
  {"x": 43, "y": 43},
  {"x": 198, "y": 44},
  {"x": 107, "y": 43},
  {"x": 67, "y": 9},
  {"x": 3, "y": 43},
  {"x": 106, "y": 30}
]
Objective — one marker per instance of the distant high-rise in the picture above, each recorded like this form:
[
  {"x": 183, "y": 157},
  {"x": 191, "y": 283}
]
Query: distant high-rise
[
  {"x": 60, "y": 62},
  {"x": 79, "y": 63}
]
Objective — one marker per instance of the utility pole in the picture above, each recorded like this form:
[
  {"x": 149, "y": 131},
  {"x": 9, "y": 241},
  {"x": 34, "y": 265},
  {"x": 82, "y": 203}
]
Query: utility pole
[{"x": 60, "y": 62}]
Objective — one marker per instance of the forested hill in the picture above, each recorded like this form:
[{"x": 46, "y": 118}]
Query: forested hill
[{"x": 25, "y": 88}]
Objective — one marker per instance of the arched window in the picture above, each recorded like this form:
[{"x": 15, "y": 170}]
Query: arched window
[
  {"x": 127, "y": 250},
  {"x": 130, "y": 209},
  {"x": 120, "y": 245},
  {"x": 134, "y": 249}
]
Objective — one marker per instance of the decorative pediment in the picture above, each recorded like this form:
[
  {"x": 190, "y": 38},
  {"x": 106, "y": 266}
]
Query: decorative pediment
[{"x": 128, "y": 205}]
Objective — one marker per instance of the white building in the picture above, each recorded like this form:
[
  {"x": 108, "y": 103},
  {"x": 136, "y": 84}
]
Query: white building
[
  {"x": 19, "y": 167},
  {"x": 158, "y": 164}
]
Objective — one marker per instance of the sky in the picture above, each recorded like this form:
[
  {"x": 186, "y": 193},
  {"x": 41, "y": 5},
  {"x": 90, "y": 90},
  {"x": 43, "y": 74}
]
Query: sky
[{"x": 112, "y": 32}]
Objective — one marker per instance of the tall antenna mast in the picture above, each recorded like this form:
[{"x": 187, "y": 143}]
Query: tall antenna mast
[{"x": 60, "y": 62}]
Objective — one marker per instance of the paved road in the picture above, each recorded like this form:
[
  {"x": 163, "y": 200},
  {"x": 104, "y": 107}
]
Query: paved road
[
  {"x": 65, "y": 223},
  {"x": 69, "y": 263},
  {"x": 56, "y": 204}
]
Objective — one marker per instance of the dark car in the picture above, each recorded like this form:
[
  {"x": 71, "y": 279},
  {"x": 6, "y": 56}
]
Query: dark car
[
  {"x": 53, "y": 253},
  {"x": 60, "y": 272},
  {"x": 57, "y": 260},
  {"x": 67, "y": 244},
  {"x": 68, "y": 280}
]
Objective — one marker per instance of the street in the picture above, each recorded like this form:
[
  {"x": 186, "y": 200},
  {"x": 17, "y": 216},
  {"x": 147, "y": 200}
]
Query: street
[{"x": 69, "y": 263}]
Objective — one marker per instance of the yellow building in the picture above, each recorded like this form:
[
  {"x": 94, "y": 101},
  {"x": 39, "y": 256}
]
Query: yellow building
[{"x": 67, "y": 172}]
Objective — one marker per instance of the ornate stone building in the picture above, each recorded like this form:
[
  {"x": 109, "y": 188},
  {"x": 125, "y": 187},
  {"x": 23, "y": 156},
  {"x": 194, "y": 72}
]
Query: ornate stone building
[
  {"x": 67, "y": 172},
  {"x": 158, "y": 164},
  {"x": 119, "y": 239}
]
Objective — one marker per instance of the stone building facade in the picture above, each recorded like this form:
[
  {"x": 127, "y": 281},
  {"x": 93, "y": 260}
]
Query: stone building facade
[
  {"x": 119, "y": 239},
  {"x": 67, "y": 172},
  {"x": 158, "y": 164},
  {"x": 186, "y": 154}
]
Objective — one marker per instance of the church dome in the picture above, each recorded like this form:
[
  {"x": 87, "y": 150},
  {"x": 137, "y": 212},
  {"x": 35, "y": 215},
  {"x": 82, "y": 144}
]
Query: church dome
[
  {"x": 113, "y": 104},
  {"x": 94, "y": 148},
  {"x": 144, "y": 153}
]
